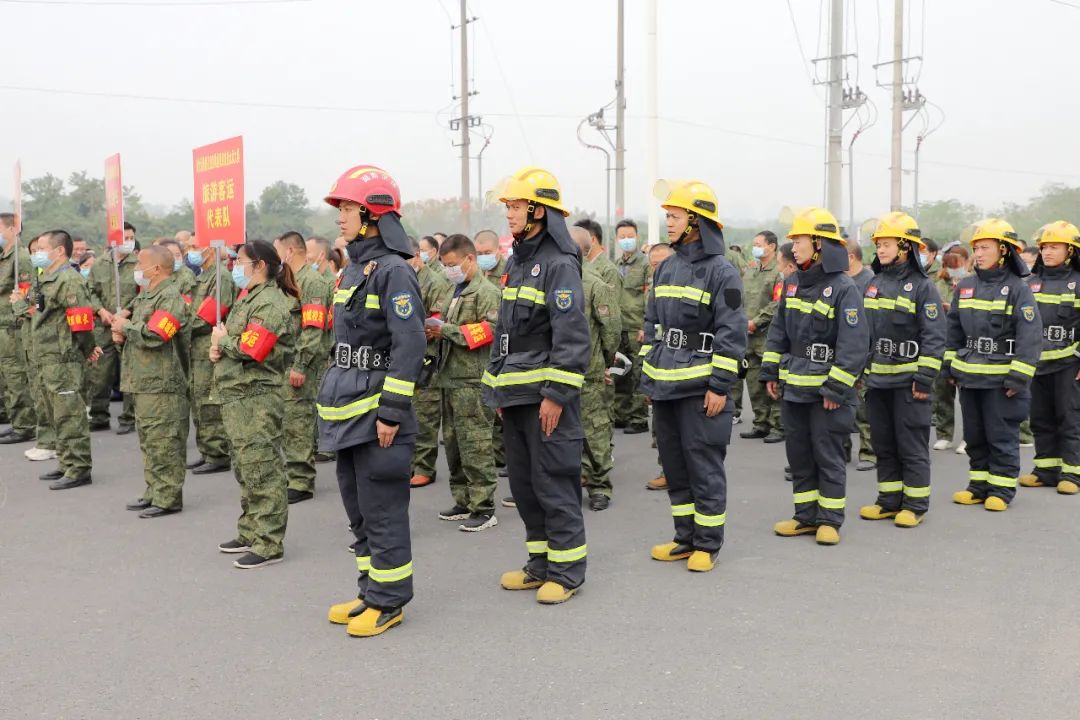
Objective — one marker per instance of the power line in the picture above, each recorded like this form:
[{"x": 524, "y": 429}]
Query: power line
[
  {"x": 138, "y": 4},
  {"x": 1066, "y": 4}
]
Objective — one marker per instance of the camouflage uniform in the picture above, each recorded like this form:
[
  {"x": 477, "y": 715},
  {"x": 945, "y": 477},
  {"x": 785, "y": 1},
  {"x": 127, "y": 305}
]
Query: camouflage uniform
[
  {"x": 13, "y": 368},
  {"x": 63, "y": 340},
  {"x": 605, "y": 331},
  {"x": 435, "y": 291},
  {"x": 152, "y": 371},
  {"x": 630, "y": 408},
  {"x": 24, "y": 311},
  {"x": 102, "y": 374},
  {"x": 607, "y": 271},
  {"x": 467, "y": 333},
  {"x": 185, "y": 281},
  {"x": 735, "y": 255},
  {"x": 497, "y": 276},
  {"x": 761, "y": 293},
  {"x": 944, "y": 395},
  {"x": 255, "y": 356},
  {"x": 309, "y": 360},
  {"x": 862, "y": 424},
  {"x": 210, "y": 437}
]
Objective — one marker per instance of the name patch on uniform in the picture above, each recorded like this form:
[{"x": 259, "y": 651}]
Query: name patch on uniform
[
  {"x": 907, "y": 287},
  {"x": 931, "y": 310},
  {"x": 564, "y": 298},
  {"x": 1071, "y": 286},
  {"x": 257, "y": 342},
  {"x": 871, "y": 292},
  {"x": 827, "y": 292},
  {"x": 477, "y": 335},
  {"x": 777, "y": 289},
  {"x": 790, "y": 292},
  {"x": 967, "y": 292},
  {"x": 535, "y": 272},
  {"x": 851, "y": 315},
  {"x": 313, "y": 316},
  {"x": 1037, "y": 286},
  {"x": 603, "y": 310},
  {"x": 1029, "y": 312},
  {"x": 163, "y": 324},
  {"x": 403, "y": 305},
  {"x": 80, "y": 319},
  {"x": 1005, "y": 290}
]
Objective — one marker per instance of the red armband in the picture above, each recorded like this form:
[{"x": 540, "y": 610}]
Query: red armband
[
  {"x": 80, "y": 319},
  {"x": 477, "y": 335},
  {"x": 187, "y": 299},
  {"x": 777, "y": 289},
  {"x": 163, "y": 324},
  {"x": 313, "y": 316},
  {"x": 330, "y": 318},
  {"x": 206, "y": 311},
  {"x": 257, "y": 342},
  {"x": 243, "y": 294},
  {"x": 24, "y": 288}
]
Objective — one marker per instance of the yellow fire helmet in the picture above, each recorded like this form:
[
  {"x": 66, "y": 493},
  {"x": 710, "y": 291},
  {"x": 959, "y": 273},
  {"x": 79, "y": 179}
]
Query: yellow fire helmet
[
  {"x": 693, "y": 196},
  {"x": 817, "y": 222},
  {"x": 996, "y": 229},
  {"x": 534, "y": 184},
  {"x": 1058, "y": 232},
  {"x": 898, "y": 225}
]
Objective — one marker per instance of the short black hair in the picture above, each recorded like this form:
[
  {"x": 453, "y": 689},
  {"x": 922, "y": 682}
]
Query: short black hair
[
  {"x": 58, "y": 238},
  {"x": 770, "y": 237},
  {"x": 787, "y": 251},
  {"x": 931, "y": 244},
  {"x": 854, "y": 249},
  {"x": 593, "y": 227},
  {"x": 626, "y": 222},
  {"x": 430, "y": 240},
  {"x": 414, "y": 244},
  {"x": 293, "y": 239},
  {"x": 457, "y": 243},
  {"x": 129, "y": 226}
]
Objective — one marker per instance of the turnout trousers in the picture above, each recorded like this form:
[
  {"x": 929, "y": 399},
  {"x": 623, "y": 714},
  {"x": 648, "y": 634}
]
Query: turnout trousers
[
  {"x": 1055, "y": 422},
  {"x": 992, "y": 433},
  {"x": 692, "y": 449},
  {"x": 374, "y": 485},
  {"x": 545, "y": 481},
  {"x": 815, "y": 452},
  {"x": 900, "y": 432}
]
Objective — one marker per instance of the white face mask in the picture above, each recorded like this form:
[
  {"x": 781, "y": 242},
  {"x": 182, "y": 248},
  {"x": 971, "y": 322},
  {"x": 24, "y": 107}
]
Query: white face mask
[{"x": 454, "y": 274}]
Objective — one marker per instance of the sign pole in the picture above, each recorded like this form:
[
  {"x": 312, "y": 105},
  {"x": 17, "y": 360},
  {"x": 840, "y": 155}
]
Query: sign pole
[
  {"x": 18, "y": 220},
  {"x": 218, "y": 246}
]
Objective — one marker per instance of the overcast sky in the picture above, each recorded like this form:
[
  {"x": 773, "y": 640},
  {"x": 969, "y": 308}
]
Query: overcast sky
[{"x": 737, "y": 106}]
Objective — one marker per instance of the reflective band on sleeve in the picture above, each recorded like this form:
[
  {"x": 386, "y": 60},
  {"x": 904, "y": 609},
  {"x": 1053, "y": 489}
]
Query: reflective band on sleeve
[
  {"x": 841, "y": 375},
  {"x": 1047, "y": 462},
  {"x": 363, "y": 563},
  {"x": 770, "y": 357},
  {"x": 1023, "y": 368},
  {"x": 681, "y": 292},
  {"x": 887, "y": 369},
  {"x": 530, "y": 294},
  {"x": 1059, "y": 354},
  {"x": 682, "y": 510},
  {"x": 978, "y": 476},
  {"x": 802, "y": 380},
  {"x": 916, "y": 492},
  {"x": 710, "y": 520},
  {"x": 353, "y": 409},
  {"x": 981, "y": 368},
  {"x": 537, "y": 547},
  {"x": 806, "y": 497},
  {"x": 392, "y": 574},
  {"x": 644, "y": 350},
  {"x": 678, "y": 374},
  {"x": 1001, "y": 481},
  {"x": 398, "y": 387},
  {"x": 526, "y": 377},
  {"x": 567, "y": 556},
  {"x": 725, "y": 363},
  {"x": 890, "y": 486},
  {"x": 371, "y": 302},
  {"x": 832, "y": 503},
  {"x": 930, "y": 362}
]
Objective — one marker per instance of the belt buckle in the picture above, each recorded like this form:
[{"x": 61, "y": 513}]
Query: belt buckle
[
  {"x": 675, "y": 338},
  {"x": 908, "y": 349},
  {"x": 886, "y": 346},
  {"x": 819, "y": 352},
  {"x": 343, "y": 356},
  {"x": 984, "y": 345},
  {"x": 706, "y": 342},
  {"x": 1055, "y": 333},
  {"x": 362, "y": 357},
  {"x": 504, "y": 344}
]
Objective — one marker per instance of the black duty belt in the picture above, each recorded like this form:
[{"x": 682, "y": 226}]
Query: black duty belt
[
  {"x": 991, "y": 346},
  {"x": 1059, "y": 333},
  {"x": 679, "y": 339},
  {"x": 815, "y": 352},
  {"x": 541, "y": 342},
  {"x": 899, "y": 350},
  {"x": 361, "y": 357}
]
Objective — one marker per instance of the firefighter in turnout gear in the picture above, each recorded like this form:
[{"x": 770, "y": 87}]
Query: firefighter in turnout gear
[
  {"x": 907, "y": 341},
  {"x": 534, "y": 379},
  {"x": 819, "y": 324},
  {"x": 1055, "y": 395},
  {"x": 992, "y": 348},
  {"x": 365, "y": 402},
  {"x": 695, "y": 337}
]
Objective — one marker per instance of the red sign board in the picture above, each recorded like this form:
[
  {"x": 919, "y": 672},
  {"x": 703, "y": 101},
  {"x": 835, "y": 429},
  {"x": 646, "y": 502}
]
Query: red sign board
[
  {"x": 114, "y": 202},
  {"x": 18, "y": 197},
  {"x": 219, "y": 192}
]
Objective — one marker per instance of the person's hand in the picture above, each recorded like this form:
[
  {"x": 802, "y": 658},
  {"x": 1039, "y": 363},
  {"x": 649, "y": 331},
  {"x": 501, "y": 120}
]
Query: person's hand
[
  {"x": 215, "y": 353},
  {"x": 550, "y": 412},
  {"x": 916, "y": 394},
  {"x": 432, "y": 332},
  {"x": 217, "y": 333},
  {"x": 608, "y": 380},
  {"x": 751, "y": 328},
  {"x": 118, "y": 323},
  {"x": 15, "y": 296},
  {"x": 641, "y": 336},
  {"x": 106, "y": 317},
  {"x": 773, "y": 388},
  {"x": 829, "y": 404},
  {"x": 386, "y": 433},
  {"x": 95, "y": 355},
  {"x": 296, "y": 379},
  {"x": 1009, "y": 392},
  {"x": 124, "y": 313},
  {"x": 117, "y": 338},
  {"x": 714, "y": 403}
]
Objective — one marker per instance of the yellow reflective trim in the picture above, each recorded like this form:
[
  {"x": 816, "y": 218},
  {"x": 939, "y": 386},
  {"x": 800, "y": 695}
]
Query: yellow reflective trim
[
  {"x": 1070, "y": 469},
  {"x": 916, "y": 492},
  {"x": 1060, "y": 353},
  {"x": 980, "y": 368},
  {"x": 890, "y": 486},
  {"x": 805, "y": 497},
  {"x": 950, "y": 355},
  {"x": 392, "y": 574},
  {"x": 564, "y": 377},
  {"x": 363, "y": 563},
  {"x": 1062, "y": 299},
  {"x": 725, "y": 363},
  {"x": 524, "y": 292},
  {"x": 677, "y": 374},
  {"x": 1044, "y": 463},
  {"x": 887, "y": 369},
  {"x": 682, "y": 510},
  {"x": 371, "y": 302},
  {"x": 930, "y": 362},
  {"x": 978, "y": 475},
  {"x": 1023, "y": 368},
  {"x": 770, "y": 357},
  {"x": 341, "y": 295},
  {"x": 681, "y": 292},
  {"x": 987, "y": 305},
  {"x": 644, "y": 350},
  {"x": 353, "y": 409},
  {"x": 537, "y": 547},
  {"x": 710, "y": 520},
  {"x": 567, "y": 556},
  {"x": 803, "y": 380},
  {"x": 399, "y": 387},
  {"x": 832, "y": 503},
  {"x": 526, "y": 377},
  {"x": 841, "y": 375},
  {"x": 883, "y": 303},
  {"x": 806, "y": 308},
  {"x": 1001, "y": 481}
]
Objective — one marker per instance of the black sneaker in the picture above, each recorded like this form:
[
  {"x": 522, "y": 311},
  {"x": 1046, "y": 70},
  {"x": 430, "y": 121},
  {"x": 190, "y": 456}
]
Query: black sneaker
[
  {"x": 501, "y": 471},
  {"x": 296, "y": 496},
  {"x": 599, "y": 502},
  {"x": 235, "y": 546},
  {"x": 325, "y": 457},
  {"x": 509, "y": 502},
  {"x": 455, "y": 513},
  {"x": 636, "y": 430},
  {"x": 253, "y": 560},
  {"x": 478, "y": 522}
]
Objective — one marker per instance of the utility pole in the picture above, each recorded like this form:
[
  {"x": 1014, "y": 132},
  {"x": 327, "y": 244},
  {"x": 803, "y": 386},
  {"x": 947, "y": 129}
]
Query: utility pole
[
  {"x": 620, "y": 122},
  {"x": 651, "y": 136},
  {"x": 466, "y": 122},
  {"x": 897, "y": 106},
  {"x": 834, "y": 189}
]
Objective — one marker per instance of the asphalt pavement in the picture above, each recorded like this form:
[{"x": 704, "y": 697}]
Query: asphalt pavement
[{"x": 104, "y": 615}]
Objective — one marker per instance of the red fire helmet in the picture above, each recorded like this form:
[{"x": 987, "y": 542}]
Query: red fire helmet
[{"x": 368, "y": 185}]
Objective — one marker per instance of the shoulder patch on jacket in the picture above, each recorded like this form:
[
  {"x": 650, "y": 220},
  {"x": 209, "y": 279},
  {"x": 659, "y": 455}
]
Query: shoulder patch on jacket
[
  {"x": 1029, "y": 312},
  {"x": 403, "y": 305},
  {"x": 564, "y": 298},
  {"x": 931, "y": 310},
  {"x": 967, "y": 292},
  {"x": 851, "y": 315}
]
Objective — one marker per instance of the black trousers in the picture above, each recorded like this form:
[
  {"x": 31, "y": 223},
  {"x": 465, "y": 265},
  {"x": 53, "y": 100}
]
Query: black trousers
[
  {"x": 814, "y": 438},
  {"x": 1055, "y": 422},
  {"x": 545, "y": 480},
  {"x": 992, "y": 433},
  {"x": 692, "y": 450},
  {"x": 900, "y": 432},
  {"x": 374, "y": 485}
]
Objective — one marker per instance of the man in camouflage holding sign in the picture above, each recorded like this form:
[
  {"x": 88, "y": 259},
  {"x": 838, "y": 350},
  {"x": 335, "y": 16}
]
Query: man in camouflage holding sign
[
  {"x": 20, "y": 408},
  {"x": 152, "y": 371}
]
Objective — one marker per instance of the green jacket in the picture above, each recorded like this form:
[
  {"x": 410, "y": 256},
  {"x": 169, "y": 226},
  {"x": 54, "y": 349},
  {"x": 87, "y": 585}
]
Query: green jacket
[
  {"x": 202, "y": 303},
  {"x": 496, "y": 273},
  {"x": 605, "y": 323},
  {"x": 102, "y": 283},
  {"x": 258, "y": 349},
  {"x": 435, "y": 293},
  {"x": 606, "y": 270},
  {"x": 761, "y": 294},
  {"x": 63, "y": 319},
  {"x": 736, "y": 257},
  {"x": 634, "y": 270},
  {"x": 184, "y": 280},
  {"x": 152, "y": 360},
  {"x": 467, "y": 332},
  {"x": 7, "y": 282},
  {"x": 316, "y": 295}
]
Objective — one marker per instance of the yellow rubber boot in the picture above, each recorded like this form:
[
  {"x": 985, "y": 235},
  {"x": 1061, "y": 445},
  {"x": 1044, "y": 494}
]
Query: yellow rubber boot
[
  {"x": 374, "y": 622},
  {"x": 1031, "y": 481},
  {"x": 827, "y": 535},
  {"x": 907, "y": 519},
  {"x": 996, "y": 504},
  {"x": 519, "y": 580},
  {"x": 964, "y": 497},
  {"x": 791, "y": 528},
  {"x": 1067, "y": 487},
  {"x": 701, "y": 561},
  {"x": 874, "y": 512},
  {"x": 552, "y": 593},
  {"x": 340, "y": 614},
  {"x": 671, "y": 551}
]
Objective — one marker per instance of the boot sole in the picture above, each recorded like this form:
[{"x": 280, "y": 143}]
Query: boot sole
[
  {"x": 378, "y": 631},
  {"x": 560, "y": 601},
  {"x": 489, "y": 524},
  {"x": 264, "y": 563},
  {"x": 797, "y": 533},
  {"x": 529, "y": 586},
  {"x": 672, "y": 558},
  {"x": 452, "y": 518},
  {"x": 883, "y": 516}
]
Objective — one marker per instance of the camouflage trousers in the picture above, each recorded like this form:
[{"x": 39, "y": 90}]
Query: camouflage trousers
[
  {"x": 467, "y": 424},
  {"x": 254, "y": 428},
  {"x": 61, "y": 385},
  {"x": 427, "y": 402},
  {"x": 630, "y": 409},
  {"x": 159, "y": 422},
  {"x": 20, "y": 407},
  {"x": 100, "y": 378},
  {"x": 299, "y": 417},
  {"x": 944, "y": 408},
  {"x": 766, "y": 410},
  {"x": 210, "y": 437},
  {"x": 46, "y": 436},
  {"x": 596, "y": 457}
]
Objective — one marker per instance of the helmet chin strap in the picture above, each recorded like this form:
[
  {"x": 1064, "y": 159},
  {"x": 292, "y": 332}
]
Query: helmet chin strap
[
  {"x": 691, "y": 226},
  {"x": 364, "y": 215},
  {"x": 817, "y": 252},
  {"x": 529, "y": 211},
  {"x": 1004, "y": 254}
]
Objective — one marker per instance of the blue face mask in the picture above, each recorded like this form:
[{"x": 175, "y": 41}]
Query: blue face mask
[
  {"x": 425, "y": 257},
  {"x": 239, "y": 278},
  {"x": 315, "y": 267},
  {"x": 177, "y": 264},
  {"x": 85, "y": 272},
  {"x": 127, "y": 247},
  {"x": 455, "y": 274},
  {"x": 231, "y": 252},
  {"x": 628, "y": 244},
  {"x": 924, "y": 259},
  {"x": 3, "y": 242},
  {"x": 487, "y": 261},
  {"x": 757, "y": 252},
  {"x": 40, "y": 259},
  {"x": 140, "y": 279},
  {"x": 194, "y": 258}
]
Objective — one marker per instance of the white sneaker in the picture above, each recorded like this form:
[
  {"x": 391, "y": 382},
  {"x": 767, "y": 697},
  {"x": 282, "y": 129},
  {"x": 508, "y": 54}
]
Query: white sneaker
[
  {"x": 961, "y": 449},
  {"x": 942, "y": 444},
  {"x": 35, "y": 453}
]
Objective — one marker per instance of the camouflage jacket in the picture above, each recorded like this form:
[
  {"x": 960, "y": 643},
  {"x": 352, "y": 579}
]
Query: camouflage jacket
[
  {"x": 634, "y": 271},
  {"x": 605, "y": 324},
  {"x": 259, "y": 347},
  {"x": 63, "y": 321},
  {"x": 316, "y": 294},
  {"x": 152, "y": 361},
  {"x": 7, "y": 283},
  {"x": 468, "y": 330}
]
